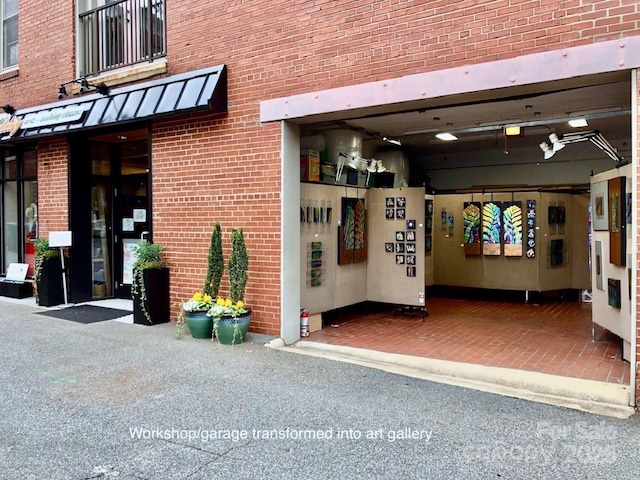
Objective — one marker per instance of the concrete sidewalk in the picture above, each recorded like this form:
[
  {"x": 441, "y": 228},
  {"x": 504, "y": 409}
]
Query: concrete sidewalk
[{"x": 601, "y": 398}]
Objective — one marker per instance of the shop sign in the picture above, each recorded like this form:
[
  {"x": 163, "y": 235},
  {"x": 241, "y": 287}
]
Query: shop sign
[
  {"x": 9, "y": 125},
  {"x": 53, "y": 117}
]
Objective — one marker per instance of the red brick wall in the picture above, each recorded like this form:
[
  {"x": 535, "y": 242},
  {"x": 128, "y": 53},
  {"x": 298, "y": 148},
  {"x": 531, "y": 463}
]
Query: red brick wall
[
  {"x": 227, "y": 167},
  {"x": 53, "y": 199}
]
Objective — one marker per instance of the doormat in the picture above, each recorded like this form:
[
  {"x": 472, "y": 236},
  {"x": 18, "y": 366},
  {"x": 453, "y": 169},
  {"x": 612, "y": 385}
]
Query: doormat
[{"x": 86, "y": 314}]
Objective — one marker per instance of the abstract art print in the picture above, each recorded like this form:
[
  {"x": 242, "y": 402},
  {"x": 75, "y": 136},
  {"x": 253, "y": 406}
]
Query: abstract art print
[
  {"x": 471, "y": 223},
  {"x": 617, "y": 221},
  {"x": 600, "y": 205},
  {"x": 512, "y": 229},
  {"x": 352, "y": 246},
  {"x": 491, "y": 228}
]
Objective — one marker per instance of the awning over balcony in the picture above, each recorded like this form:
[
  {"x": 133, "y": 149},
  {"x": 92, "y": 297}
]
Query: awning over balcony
[{"x": 191, "y": 91}]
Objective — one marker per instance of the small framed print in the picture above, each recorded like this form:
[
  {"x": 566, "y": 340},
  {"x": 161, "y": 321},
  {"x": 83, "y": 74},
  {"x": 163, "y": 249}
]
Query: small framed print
[
  {"x": 428, "y": 208},
  {"x": 411, "y": 259},
  {"x": 389, "y": 214},
  {"x": 411, "y": 271},
  {"x": 388, "y": 247},
  {"x": 411, "y": 224},
  {"x": 400, "y": 213},
  {"x": 390, "y": 202},
  {"x": 399, "y": 236},
  {"x": 427, "y": 244},
  {"x": 399, "y": 247},
  {"x": 399, "y": 259},
  {"x": 410, "y": 248},
  {"x": 411, "y": 236},
  {"x": 401, "y": 202},
  {"x": 428, "y": 224}
]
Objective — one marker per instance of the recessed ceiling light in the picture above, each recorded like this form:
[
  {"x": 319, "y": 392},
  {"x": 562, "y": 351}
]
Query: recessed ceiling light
[
  {"x": 447, "y": 137},
  {"x": 578, "y": 122}
]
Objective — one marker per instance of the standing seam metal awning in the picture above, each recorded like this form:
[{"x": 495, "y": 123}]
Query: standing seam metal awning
[{"x": 195, "y": 90}]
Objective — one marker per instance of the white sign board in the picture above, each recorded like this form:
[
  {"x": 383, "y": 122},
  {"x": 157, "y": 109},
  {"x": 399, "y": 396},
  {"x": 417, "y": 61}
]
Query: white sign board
[
  {"x": 17, "y": 272},
  {"x": 60, "y": 239}
]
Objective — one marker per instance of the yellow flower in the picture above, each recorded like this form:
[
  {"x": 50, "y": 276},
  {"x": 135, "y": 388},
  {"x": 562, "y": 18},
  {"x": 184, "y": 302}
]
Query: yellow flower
[
  {"x": 239, "y": 304},
  {"x": 227, "y": 302},
  {"x": 220, "y": 301},
  {"x": 197, "y": 296},
  {"x": 207, "y": 298}
]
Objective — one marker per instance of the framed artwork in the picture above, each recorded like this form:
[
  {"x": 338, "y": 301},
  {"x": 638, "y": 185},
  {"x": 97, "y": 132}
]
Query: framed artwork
[
  {"x": 399, "y": 247},
  {"x": 600, "y": 205},
  {"x": 411, "y": 271},
  {"x": 471, "y": 223},
  {"x": 401, "y": 202},
  {"x": 556, "y": 255},
  {"x": 512, "y": 228},
  {"x": 390, "y": 202},
  {"x": 553, "y": 214},
  {"x": 428, "y": 208},
  {"x": 389, "y": 213},
  {"x": 427, "y": 244},
  {"x": 491, "y": 228},
  {"x": 399, "y": 259},
  {"x": 399, "y": 236},
  {"x": 613, "y": 292},
  {"x": 411, "y": 224},
  {"x": 411, "y": 259},
  {"x": 531, "y": 228},
  {"x": 428, "y": 224},
  {"x": 388, "y": 247},
  {"x": 352, "y": 242},
  {"x": 410, "y": 236},
  {"x": 400, "y": 213},
  {"x": 599, "y": 266},
  {"x": 617, "y": 221},
  {"x": 410, "y": 247}
]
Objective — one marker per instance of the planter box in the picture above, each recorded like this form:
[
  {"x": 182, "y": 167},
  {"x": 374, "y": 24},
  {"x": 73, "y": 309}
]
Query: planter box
[
  {"x": 50, "y": 291},
  {"x": 156, "y": 281},
  {"x": 13, "y": 289}
]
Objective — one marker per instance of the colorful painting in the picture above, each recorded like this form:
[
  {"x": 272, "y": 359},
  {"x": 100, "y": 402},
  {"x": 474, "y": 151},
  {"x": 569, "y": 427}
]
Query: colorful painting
[
  {"x": 491, "y": 228},
  {"x": 613, "y": 292},
  {"x": 617, "y": 221},
  {"x": 512, "y": 229},
  {"x": 471, "y": 222},
  {"x": 531, "y": 228},
  {"x": 351, "y": 235}
]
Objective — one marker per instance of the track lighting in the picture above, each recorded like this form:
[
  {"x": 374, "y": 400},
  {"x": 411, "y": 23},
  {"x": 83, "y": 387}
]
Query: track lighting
[
  {"x": 9, "y": 109},
  {"x": 595, "y": 137}
]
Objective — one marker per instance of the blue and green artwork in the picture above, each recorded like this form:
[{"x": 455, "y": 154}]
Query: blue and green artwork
[
  {"x": 491, "y": 228},
  {"x": 512, "y": 229},
  {"x": 471, "y": 222}
]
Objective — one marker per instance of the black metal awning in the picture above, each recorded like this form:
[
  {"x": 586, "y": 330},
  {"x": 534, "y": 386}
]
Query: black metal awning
[{"x": 186, "y": 92}]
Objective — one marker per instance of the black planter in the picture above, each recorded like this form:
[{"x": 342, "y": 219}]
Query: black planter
[
  {"x": 50, "y": 291},
  {"x": 156, "y": 284}
]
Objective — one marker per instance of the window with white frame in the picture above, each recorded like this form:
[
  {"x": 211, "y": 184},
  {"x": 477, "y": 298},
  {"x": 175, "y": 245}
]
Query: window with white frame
[
  {"x": 9, "y": 30},
  {"x": 118, "y": 33}
]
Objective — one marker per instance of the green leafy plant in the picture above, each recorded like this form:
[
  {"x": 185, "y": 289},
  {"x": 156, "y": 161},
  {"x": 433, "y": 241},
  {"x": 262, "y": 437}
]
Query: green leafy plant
[
  {"x": 148, "y": 255},
  {"x": 43, "y": 252},
  {"x": 215, "y": 263},
  {"x": 225, "y": 307},
  {"x": 238, "y": 266}
]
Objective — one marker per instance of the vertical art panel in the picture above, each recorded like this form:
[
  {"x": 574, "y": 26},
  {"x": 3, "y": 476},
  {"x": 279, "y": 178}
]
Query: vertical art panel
[
  {"x": 531, "y": 228},
  {"x": 512, "y": 229},
  {"x": 352, "y": 242},
  {"x": 491, "y": 228},
  {"x": 617, "y": 221},
  {"x": 471, "y": 222}
]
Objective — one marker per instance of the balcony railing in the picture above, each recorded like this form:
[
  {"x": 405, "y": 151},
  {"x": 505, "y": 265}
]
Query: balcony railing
[{"x": 121, "y": 33}]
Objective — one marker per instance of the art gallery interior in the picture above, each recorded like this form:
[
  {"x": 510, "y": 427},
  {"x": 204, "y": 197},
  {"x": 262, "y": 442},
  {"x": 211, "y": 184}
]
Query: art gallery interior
[{"x": 526, "y": 158}]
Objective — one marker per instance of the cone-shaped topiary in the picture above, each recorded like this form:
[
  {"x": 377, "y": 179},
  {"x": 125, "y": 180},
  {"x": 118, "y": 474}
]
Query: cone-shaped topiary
[
  {"x": 215, "y": 265},
  {"x": 238, "y": 265}
]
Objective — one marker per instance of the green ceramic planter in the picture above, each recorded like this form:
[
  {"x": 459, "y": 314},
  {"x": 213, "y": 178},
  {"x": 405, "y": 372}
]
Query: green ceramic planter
[
  {"x": 231, "y": 331},
  {"x": 199, "y": 324}
]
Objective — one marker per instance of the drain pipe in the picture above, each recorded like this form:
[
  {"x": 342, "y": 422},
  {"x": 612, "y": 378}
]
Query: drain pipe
[{"x": 634, "y": 237}]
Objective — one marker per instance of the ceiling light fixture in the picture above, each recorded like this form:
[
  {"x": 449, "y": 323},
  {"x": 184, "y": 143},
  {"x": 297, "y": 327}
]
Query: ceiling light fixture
[
  {"x": 578, "y": 123},
  {"x": 446, "y": 137},
  {"x": 594, "y": 136},
  {"x": 513, "y": 131},
  {"x": 392, "y": 141}
]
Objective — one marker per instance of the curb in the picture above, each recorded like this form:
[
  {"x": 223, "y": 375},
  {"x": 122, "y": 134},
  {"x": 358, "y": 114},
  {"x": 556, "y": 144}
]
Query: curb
[{"x": 601, "y": 398}]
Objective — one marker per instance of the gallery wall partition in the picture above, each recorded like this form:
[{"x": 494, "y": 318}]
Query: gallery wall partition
[{"x": 611, "y": 241}]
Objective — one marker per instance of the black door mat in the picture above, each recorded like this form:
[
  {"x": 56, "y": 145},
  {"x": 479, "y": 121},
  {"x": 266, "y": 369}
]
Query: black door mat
[{"x": 86, "y": 314}]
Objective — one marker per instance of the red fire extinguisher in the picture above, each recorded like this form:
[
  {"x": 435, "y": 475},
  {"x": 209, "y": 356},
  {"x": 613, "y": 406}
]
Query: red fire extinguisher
[{"x": 304, "y": 322}]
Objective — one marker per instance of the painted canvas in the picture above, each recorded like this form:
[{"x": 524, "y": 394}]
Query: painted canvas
[
  {"x": 556, "y": 254},
  {"x": 512, "y": 228},
  {"x": 491, "y": 228},
  {"x": 471, "y": 222},
  {"x": 351, "y": 235},
  {"x": 531, "y": 228},
  {"x": 613, "y": 292},
  {"x": 599, "y": 206},
  {"x": 617, "y": 221}
]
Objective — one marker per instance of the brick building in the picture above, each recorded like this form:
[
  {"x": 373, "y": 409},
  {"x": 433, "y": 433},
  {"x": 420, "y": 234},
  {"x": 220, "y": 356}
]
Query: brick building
[{"x": 193, "y": 112}]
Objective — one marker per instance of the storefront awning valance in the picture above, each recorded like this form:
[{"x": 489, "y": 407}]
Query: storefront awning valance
[{"x": 195, "y": 90}]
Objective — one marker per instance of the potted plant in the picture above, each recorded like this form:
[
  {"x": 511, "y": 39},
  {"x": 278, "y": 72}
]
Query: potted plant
[
  {"x": 194, "y": 311},
  {"x": 47, "y": 274},
  {"x": 150, "y": 285},
  {"x": 230, "y": 316}
]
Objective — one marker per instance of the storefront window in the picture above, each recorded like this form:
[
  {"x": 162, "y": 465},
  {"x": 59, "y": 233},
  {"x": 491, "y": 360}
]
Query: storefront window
[{"x": 19, "y": 208}]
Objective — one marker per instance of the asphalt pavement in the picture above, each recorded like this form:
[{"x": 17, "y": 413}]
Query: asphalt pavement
[{"x": 120, "y": 401}]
